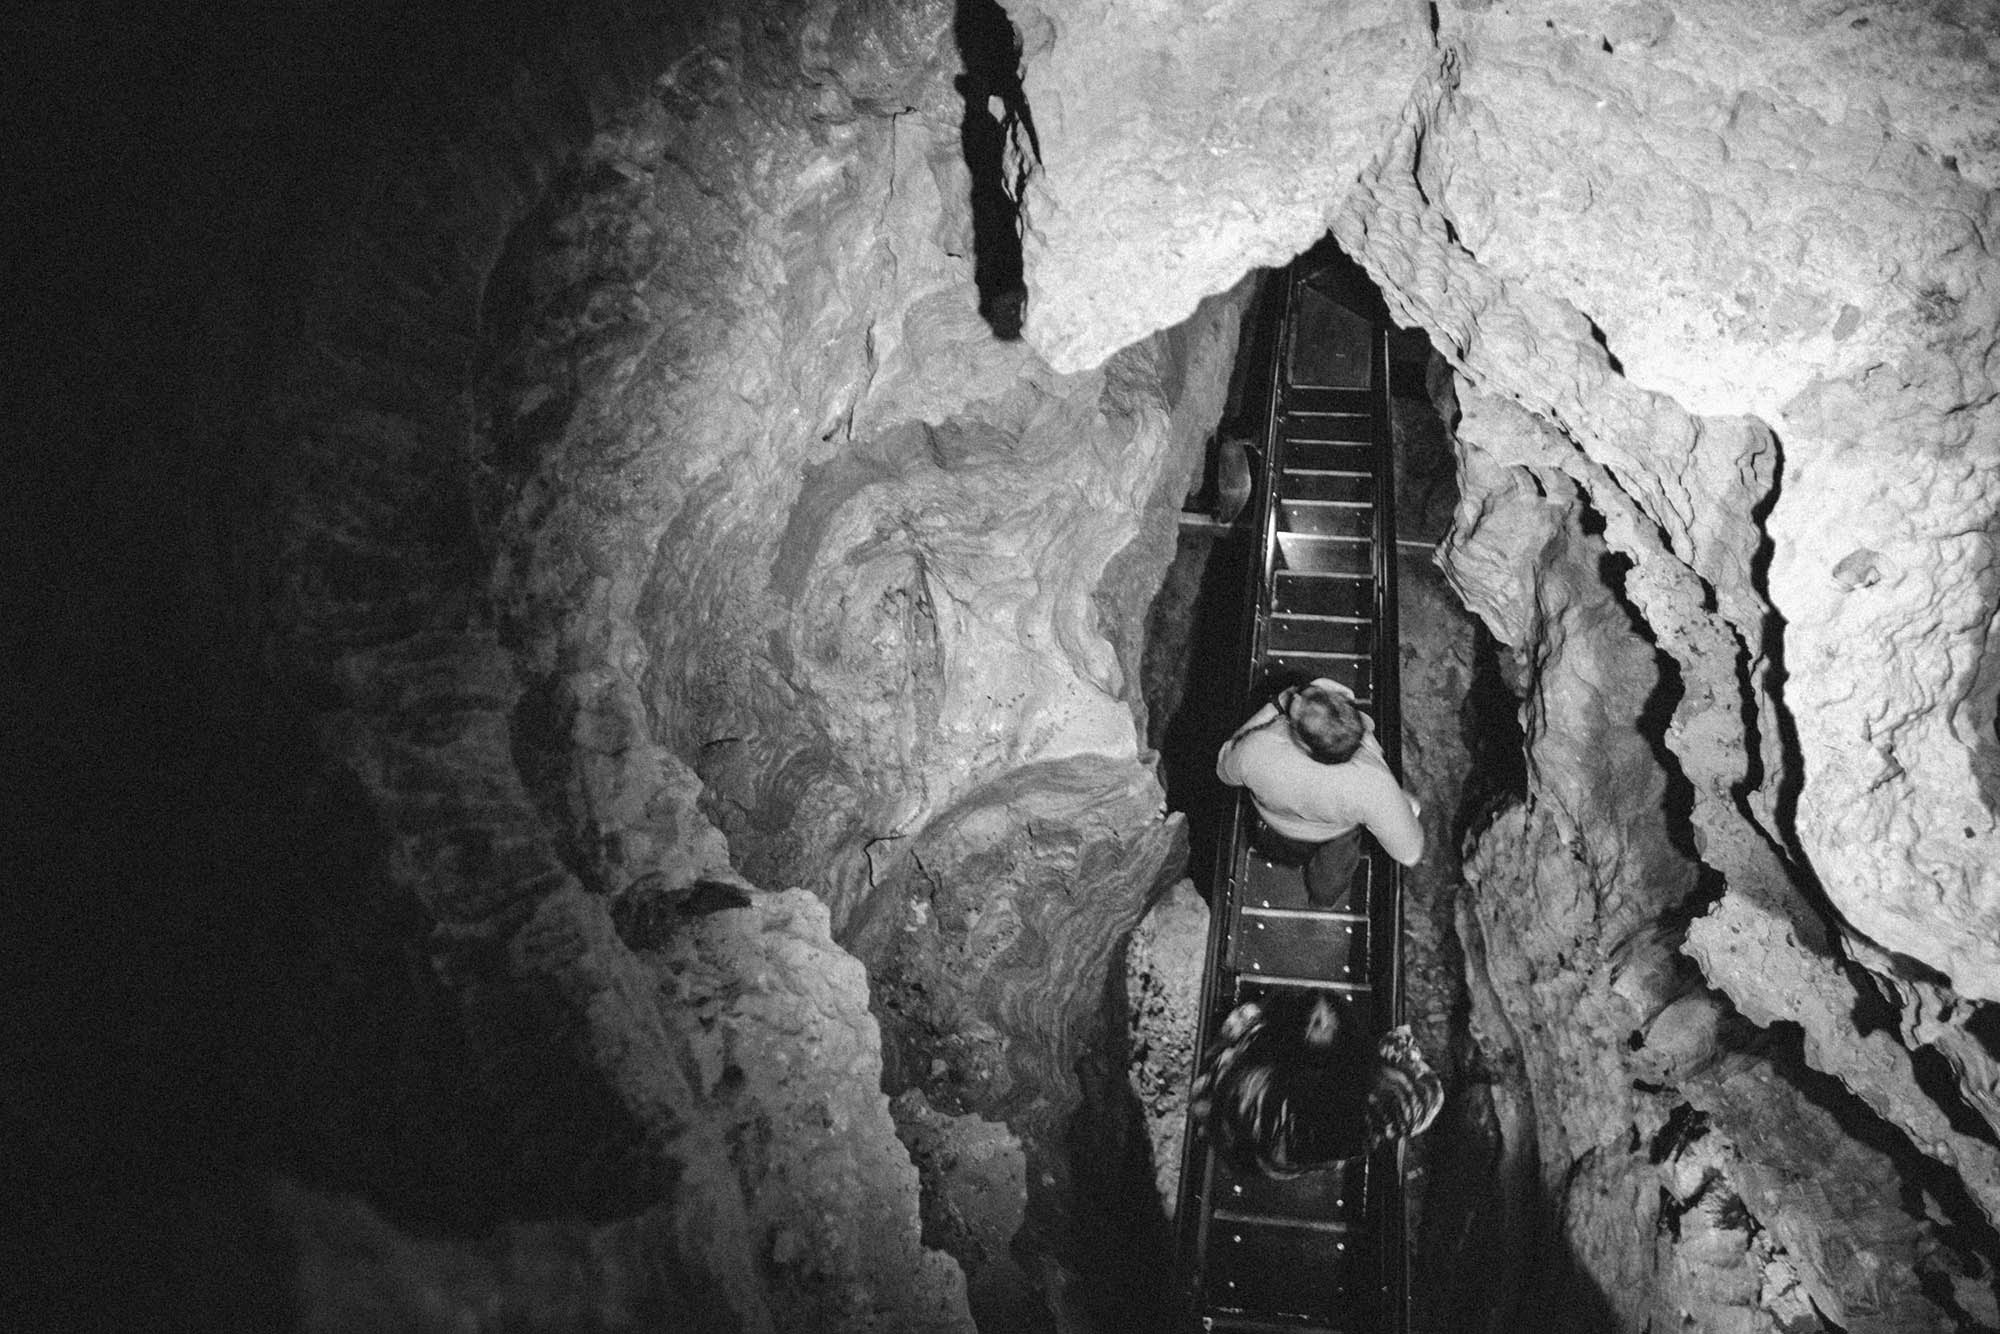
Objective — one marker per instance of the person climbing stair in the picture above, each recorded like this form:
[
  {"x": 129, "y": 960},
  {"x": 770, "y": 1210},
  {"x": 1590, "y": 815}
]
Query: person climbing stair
[{"x": 1317, "y": 776}]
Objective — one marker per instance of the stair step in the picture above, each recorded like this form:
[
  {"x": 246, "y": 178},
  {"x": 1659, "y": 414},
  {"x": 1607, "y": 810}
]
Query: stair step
[
  {"x": 1316, "y": 411},
  {"x": 1322, "y": 442},
  {"x": 1339, "y": 1192},
  {"x": 1327, "y": 484},
  {"x": 1320, "y": 634},
  {"x": 1275, "y": 670},
  {"x": 1330, "y": 949},
  {"x": 1295, "y": 980},
  {"x": 1326, "y": 554},
  {"x": 1299, "y": 593},
  {"x": 1322, "y": 451},
  {"x": 1329, "y": 503},
  {"x": 1327, "y": 518},
  {"x": 1327, "y": 398},
  {"x": 1247, "y": 1324},
  {"x": 1330, "y": 655},
  {"x": 1290, "y": 913},
  {"x": 1268, "y": 886},
  {"x": 1277, "y": 1271},
  {"x": 1271, "y": 1220}
]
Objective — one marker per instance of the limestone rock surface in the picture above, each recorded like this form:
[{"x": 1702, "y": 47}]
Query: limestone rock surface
[
  {"x": 975, "y": 1193},
  {"x": 785, "y": 1058},
  {"x": 1717, "y": 284},
  {"x": 1181, "y": 144},
  {"x": 1163, "y": 971}
]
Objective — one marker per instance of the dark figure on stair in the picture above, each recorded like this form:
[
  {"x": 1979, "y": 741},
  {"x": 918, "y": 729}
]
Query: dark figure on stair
[{"x": 1287, "y": 1087}]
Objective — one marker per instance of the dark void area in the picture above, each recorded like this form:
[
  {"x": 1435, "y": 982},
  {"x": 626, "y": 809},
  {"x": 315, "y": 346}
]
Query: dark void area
[
  {"x": 1124, "y": 1243},
  {"x": 1197, "y": 628},
  {"x": 1966, "y": 1242},
  {"x": 1490, "y": 722},
  {"x": 154, "y": 903},
  {"x": 1207, "y": 586},
  {"x": 172, "y": 852},
  {"x": 996, "y": 112}
]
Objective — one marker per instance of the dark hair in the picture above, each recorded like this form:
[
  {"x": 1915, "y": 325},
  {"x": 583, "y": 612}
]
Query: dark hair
[
  {"x": 1326, "y": 724},
  {"x": 1279, "y": 1100}
]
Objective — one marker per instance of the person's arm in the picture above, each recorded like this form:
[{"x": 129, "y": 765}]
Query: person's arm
[
  {"x": 1225, "y": 759},
  {"x": 1392, "y": 818},
  {"x": 1389, "y": 813}
]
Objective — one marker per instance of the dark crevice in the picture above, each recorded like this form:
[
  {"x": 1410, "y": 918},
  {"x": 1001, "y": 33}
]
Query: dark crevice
[
  {"x": 1929, "y": 1188},
  {"x": 1939, "y": 1082},
  {"x": 1203, "y": 592},
  {"x": 1684, "y": 1125},
  {"x": 1123, "y": 1239},
  {"x": 1490, "y": 721},
  {"x": 990, "y": 50},
  {"x": 1198, "y": 624},
  {"x": 1656, "y": 715},
  {"x": 1984, "y": 1028},
  {"x": 1597, "y": 336},
  {"x": 1792, "y": 779},
  {"x": 1879, "y": 1009},
  {"x": 1753, "y": 731}
]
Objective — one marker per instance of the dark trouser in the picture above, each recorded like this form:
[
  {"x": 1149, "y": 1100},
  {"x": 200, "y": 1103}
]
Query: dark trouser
[{"x": 1328, "y": 866}]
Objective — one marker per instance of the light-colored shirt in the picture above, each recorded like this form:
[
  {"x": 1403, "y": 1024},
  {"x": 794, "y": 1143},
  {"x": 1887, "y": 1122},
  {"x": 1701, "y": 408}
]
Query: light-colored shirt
[{"x": 1303, "y": 799}]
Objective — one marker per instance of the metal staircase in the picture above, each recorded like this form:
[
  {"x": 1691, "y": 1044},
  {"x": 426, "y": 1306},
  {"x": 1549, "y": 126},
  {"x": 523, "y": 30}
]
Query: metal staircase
[{"x": 1323, "y": 1252}]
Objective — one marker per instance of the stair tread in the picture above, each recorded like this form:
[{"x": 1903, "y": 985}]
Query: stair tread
[
  {"x": 1323, "y": 653},
  {"x": 1322, "y": 914},
  {"x": 1284, "y": 1220},
  {"x": 1321, "y": 983}
]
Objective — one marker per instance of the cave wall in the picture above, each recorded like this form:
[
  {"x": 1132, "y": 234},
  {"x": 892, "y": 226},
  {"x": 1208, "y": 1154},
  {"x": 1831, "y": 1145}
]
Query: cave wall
[
  {"x": 651, "y": 528},
  {"x": 1717, "y": 288}
]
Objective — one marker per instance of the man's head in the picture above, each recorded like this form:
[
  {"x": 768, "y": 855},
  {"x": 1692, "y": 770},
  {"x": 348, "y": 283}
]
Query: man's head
[{"x": 1325, "y": 723}]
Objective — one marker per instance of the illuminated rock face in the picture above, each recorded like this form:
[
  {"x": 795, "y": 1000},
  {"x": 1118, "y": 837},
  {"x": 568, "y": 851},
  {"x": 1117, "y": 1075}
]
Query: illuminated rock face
[
  {"x": 1717, "y": 284},
  {"x": 662, "y": 533}
]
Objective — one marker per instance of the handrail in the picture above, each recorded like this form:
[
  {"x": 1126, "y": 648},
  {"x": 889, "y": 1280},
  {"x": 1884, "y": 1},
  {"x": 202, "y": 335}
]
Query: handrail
[
  {"x": 1389, "y": 728},
  {"x": 1267, "y": 488}
]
